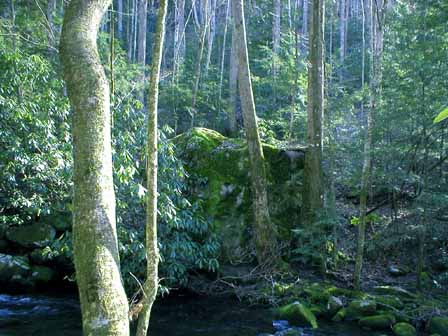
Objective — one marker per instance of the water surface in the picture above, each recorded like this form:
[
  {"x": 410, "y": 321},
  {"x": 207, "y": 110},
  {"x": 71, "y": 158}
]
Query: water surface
[{"x": 43, "y": 315}]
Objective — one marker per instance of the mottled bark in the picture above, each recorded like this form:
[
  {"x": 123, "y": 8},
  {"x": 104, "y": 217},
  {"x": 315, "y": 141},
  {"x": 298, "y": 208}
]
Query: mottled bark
[
  {"x": 103, "y": 300},
  {"x": 313, "y": 189},
  {"x": 223, "y": 51},
  {"x": 51, "y": 5},
  {"x": 152, "y": 251},
  {"x": 305, "y": 19},
  {"x": 264, "y": 230}
]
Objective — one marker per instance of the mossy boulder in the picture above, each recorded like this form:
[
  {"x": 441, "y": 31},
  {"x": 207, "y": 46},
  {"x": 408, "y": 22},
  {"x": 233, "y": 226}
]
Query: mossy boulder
[
  {"x": 334, "y": 304},
  {"x": 360, "y": 308},
  {"x": 31, "y": 236},
  {"x": 42, "y": 274},
  {"x": 394, "y": 291},
  {"x": 13, "y": 266},
  {"x": 340, "y": 315},
  {"x": 297, "y": 313},
  {"x": 404, "y": 329},
  {"x": 377, "y": 322},
  {"x": 438, "y": 325},
  {"x": 388, "y": 302},
  {"x": 219, "y": 176}
]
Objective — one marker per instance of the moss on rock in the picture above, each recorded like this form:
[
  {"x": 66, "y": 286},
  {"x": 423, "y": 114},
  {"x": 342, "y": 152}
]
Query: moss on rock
[
  {"x": 377, "y": 322},
  {"x": 438, "y": 325},
  {"x": 360, "y": 308},
  {"x": 297, "y": 313},
  {"x": 404, "y": 329},
  {"x": 31, "y": 236},
  {"x": 218, "y": 170},
  {"x": 13, "y": 266}
]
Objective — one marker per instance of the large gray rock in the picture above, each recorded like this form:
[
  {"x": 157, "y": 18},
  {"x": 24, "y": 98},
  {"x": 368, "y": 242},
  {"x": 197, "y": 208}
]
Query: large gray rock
[
  {"x": 13, "y": 267},
  {"x": 31, "y": 236}
]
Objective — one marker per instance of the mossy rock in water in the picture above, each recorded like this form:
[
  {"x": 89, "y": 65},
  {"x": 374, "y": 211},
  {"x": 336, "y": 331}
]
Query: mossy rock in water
[
  {"x": 340, "y": 315},
  {"x": 388, "y": 302},
  {"x": 31, "y": 236},
  {"x": 334, "y": 304},
  {"x": 438, "y": 325},
  {"x": 377, "y": 322},
  {"x": 219, "y": 176},
  {"x": 11, "y": 266},
  {"x": 297, "y": 313},
  {"x": 395, "y": 291},
  {"x": 404, "y": 329},
  {"x": 360, "y": 308}
]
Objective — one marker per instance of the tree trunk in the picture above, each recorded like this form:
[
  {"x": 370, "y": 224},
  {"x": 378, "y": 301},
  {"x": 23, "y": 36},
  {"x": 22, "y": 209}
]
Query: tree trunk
[
  {"x": 50, "y": 21},
  {"x": 223, "y": 52},
  {"x": 265, "y": 233},
  {"x": 377, "y": 12},
  {"x": 305, "y": 20},
  {"x": 199, "y": 62},
  {"x": 179, "y": 38},
  {"x": 211, "y": 35},
  {"x": 152, "y": 251},
  {"x": 233, "y": 80},
  {"x": 120, "y": 19},
  {"x": 141, "y": 49},
  {"x": 95, "y": 248},
  {"x": 313, "y": 189},
  {"x": 276, "y": 31},
  {"x": 342, "y": 36}
]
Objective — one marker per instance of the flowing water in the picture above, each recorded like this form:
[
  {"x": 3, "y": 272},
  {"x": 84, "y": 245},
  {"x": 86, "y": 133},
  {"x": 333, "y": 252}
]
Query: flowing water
[{"x": 40, "y": 315}]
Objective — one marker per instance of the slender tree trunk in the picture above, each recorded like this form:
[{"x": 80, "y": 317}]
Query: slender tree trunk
[
  {"x": 199, "y": 63},
  {"x": 223, "y": 52},
  {"x": 179, "y": 38},
  {"x": 120, "y": 19},
  {"x": 305, "y": 20},
  {"x": 377, "y": 12},
  {"x": 141, "y": 48},
  {"x": 233, "y": 80},
  {"x": 50, "y": 21},
  {"x": 265, "y": 232},
  {"x": 211, "y": 35},
  {"x": 152, "y": 251},
  {"x": 276, "y": 35},
  {"x": 313, "y": 189},
  {"x": 103, "y": 301},
  {"x": 342, "y": 36}
]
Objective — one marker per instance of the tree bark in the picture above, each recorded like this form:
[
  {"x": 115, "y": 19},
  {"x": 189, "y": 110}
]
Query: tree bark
[
  {"x": 141, "y": 48},
  {"x": 179, "y": 37},
  {"x": 305, "y": 20},
  {"x": 233, "y": 80},
  {"x": 377, "y": 12},
  {"x": 276, "y": 31},
  {"x": 211, "y": 35},
  {"x": 265, "y": 233},
  {"x": 152, "y": 251},
  {"x": 313, "y": 189},
  {"x": 120, "y": 19},
  {"x": 103, "y": 301}
]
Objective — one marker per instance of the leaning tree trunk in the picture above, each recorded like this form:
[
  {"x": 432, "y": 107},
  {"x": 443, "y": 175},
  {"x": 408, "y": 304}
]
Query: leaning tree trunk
[
  {"x": 265, "y": 233},
  {"x": 152, "y": 251},
  {"x": 103, "y": 301},
  {"x": 313, "y": 189}
]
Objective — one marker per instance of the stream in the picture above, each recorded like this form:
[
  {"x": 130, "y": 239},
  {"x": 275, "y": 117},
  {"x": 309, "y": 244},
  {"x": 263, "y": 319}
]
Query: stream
[{"x": 40, "y": 315}]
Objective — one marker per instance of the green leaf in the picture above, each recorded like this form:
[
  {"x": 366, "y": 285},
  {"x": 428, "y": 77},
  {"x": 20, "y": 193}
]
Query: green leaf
[{"x": 442, "y": 116}]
